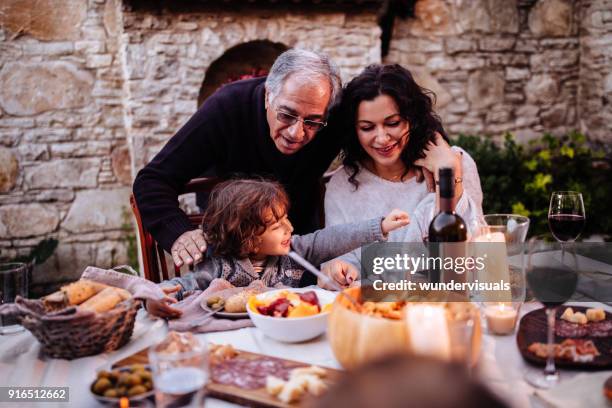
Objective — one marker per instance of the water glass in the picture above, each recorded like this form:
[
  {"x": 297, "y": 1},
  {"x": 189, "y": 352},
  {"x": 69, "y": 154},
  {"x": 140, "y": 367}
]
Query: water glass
[
  {"x": 179, "y": 377},
  {"x": 13, "y": 283}
]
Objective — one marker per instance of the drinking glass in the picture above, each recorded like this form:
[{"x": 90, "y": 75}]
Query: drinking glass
[
  {"x": 13, "y": 283},
  {"x": 552, "y": 277},
  {"x": 179, "y": 377},
  {"x": 566, "y": 215}
]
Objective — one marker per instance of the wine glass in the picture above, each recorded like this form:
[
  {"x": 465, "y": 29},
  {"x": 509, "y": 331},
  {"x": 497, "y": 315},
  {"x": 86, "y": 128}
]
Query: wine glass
[
  {"x": 566, "y": 215},
  {"x": 552, "y": 277}
]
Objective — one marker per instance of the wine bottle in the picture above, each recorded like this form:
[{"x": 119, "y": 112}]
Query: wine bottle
[{"x": 446, "y": 226}]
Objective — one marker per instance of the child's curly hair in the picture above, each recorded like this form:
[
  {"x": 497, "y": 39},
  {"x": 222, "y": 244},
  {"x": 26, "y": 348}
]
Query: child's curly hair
[{"x": 239, "y": 211}]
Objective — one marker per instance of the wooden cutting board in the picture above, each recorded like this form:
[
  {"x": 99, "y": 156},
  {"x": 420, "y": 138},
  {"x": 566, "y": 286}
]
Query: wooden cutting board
[
  {"x": 252, "y": 398},
  {"x": 532, "y": 329}
]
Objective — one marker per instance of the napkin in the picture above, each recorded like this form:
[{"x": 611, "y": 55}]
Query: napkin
[
  {"x": 584, "y": 390},
  {"x": 193, "y": 318},
  {"x": 139, "y": 287}
]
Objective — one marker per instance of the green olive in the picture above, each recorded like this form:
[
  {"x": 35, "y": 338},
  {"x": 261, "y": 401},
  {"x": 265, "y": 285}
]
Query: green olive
[
  {"x": 124, "y": 378},
  {"x": 137, "y": 367},
  {"x": 148, "y": 385},
  {"x": 134, "y": 380},
  {"x": 101, "y": 385},
  {"x": 114, "y": 375},
  {"x": 136, "y": 390},
  {"x": 145, "y": 375},
  {"x": 122, "y": 392},
  {"x": 111, "y": 393},
  {"x": 104, "y": 374}
]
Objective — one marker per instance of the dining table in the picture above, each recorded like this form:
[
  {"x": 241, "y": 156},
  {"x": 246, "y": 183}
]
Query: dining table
[{"x": 500, "y": 365}]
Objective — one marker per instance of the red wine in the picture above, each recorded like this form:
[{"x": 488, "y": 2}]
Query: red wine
[
  {"x": 446, "y": 226},
  {"x": 552, "y": 286},
  {"x": 566, "y": 227}
]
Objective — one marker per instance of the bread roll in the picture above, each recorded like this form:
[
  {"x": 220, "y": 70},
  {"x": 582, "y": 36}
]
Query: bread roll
[
  {"x": 81, "y": 290},
  {"x": 237, "y": 303},
  {"x": 105, "y": 300}
]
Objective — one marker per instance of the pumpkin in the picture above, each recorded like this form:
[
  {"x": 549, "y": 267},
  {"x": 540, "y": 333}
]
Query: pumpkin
[{"x": 356, "y": 338}]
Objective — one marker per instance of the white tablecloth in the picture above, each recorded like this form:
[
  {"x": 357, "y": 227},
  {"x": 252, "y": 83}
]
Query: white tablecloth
[{"x": 500, "y": 365}]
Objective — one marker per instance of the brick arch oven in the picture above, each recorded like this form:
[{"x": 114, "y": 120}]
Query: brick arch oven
[{"x": 246, "y": 60}]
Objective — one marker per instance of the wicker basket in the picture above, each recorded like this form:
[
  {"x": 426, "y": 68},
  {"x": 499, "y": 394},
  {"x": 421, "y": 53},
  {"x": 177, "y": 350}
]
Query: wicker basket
[{"x": 71, "y": 333}]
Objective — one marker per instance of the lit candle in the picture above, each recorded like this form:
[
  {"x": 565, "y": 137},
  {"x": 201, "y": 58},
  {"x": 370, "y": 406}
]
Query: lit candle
[
  {"x": 501, "y": 318},
  {"x": 428, "y": 330},
  {"x": 491, "y": 247}
]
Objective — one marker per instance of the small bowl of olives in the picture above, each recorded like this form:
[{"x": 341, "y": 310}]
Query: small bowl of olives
[{"x": 134, "y": 382}]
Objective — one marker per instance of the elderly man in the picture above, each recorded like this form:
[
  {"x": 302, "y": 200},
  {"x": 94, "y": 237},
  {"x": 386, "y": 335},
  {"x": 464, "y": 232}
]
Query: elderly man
[{"x": 273, "y": 127}]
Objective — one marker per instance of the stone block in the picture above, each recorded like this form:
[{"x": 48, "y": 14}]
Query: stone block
[
  {"x": 488, "y": 16},
  {"x": 90, "y": 47},
  {"x": 97, "y": 210},
  {"x": 456, "y": 45},
  {"x": 80, "y": 149},
  {"x": 121, "y": 165},
  {"x": 542, "y": 88},
  {"x": 470, "y": 63},
  {"x": 53, "y": 48},
  {"x": 9, "y": 169},
  {"x": 187, "y": 25},
  {"x": 496, "y": 44},
  {"x": 551, "y": 18},
  {"x": 47, "y": 20},
  {"x": 517, "y": 74},
  {"x": 99, "y": 60},
  {"x": 64, "y": 173},
  {"x": 29, "y": 89},
  {"x": 28, "y": 220},
  {"x": 485, "y": 88},
  {"x": 33, "y": 151}
]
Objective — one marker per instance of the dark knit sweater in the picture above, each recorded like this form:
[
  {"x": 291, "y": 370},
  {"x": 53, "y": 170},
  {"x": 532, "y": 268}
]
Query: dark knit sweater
[{"x": 230, "y": 135}]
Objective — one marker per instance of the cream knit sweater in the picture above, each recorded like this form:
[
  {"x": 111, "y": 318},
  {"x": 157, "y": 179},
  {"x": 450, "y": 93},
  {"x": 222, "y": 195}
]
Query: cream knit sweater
[{"x": 376, "y": 197}]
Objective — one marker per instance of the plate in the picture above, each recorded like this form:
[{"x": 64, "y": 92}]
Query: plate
[
  {"x": 532, "y": 328},
  {"x": 227, "y": 315},
  {"x": 115, "y": 401}
]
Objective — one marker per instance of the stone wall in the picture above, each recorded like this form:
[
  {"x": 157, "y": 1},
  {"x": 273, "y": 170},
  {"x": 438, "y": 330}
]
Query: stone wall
[
  {"x": 64, "y": 159},
  {"x": 167, "y": 54},
  {"x": 595, "y": 91},
  {"x": 496, "y": 65}
]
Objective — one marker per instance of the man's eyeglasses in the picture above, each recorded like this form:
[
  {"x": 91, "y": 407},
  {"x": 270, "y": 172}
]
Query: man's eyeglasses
[{"x": 289, "y": 119}]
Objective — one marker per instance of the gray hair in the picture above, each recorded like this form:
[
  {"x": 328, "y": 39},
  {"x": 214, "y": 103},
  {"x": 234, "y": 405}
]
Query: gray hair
[{"x": 307, "y": 64}]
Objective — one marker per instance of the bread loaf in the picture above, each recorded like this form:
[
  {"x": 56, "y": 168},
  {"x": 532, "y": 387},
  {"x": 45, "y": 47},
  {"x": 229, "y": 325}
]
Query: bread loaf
[
  {"x": 105, "y": 300},
  {"x": 81, "y": 290}
]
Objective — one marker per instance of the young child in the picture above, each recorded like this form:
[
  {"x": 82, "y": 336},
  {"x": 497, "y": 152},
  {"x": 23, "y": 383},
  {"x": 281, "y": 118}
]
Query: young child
[{"x": 246, "y": 224}]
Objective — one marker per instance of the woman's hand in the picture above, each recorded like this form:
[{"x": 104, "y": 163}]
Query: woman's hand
[
  {"x": 396, "y": 219},
  {"x": 340, "y": 271},
  {"x": 438, "y": 154},
  {"x": 161, "y": 308},
  {"x": 188, "y": 248}
]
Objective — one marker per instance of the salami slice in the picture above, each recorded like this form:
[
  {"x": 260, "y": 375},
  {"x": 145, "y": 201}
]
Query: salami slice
[
  {"x": 572, "y": 330},
  {"x": 600, "y": 329},
  {"x": 249, "y": 373}
]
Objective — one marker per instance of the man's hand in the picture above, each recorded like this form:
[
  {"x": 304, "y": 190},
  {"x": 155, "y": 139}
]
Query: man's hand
[
  {"x": 340, "y": 271},
  {"x": 188, "y": 248},
  {"x": 161, "y": 308},
  {"x": 394, "y": 220}
]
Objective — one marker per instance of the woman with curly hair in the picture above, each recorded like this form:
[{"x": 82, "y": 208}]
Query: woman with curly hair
[{"x": 393, "y": 142}]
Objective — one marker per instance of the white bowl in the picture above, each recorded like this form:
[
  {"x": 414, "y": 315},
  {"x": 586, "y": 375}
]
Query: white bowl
[{"x": 293, "y": 329}]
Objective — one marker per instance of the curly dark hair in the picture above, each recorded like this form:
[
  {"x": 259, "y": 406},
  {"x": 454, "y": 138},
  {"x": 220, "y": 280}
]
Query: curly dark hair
[
  {"x": 415, "y": 105},
  {"x": 238, "y": 213}
]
